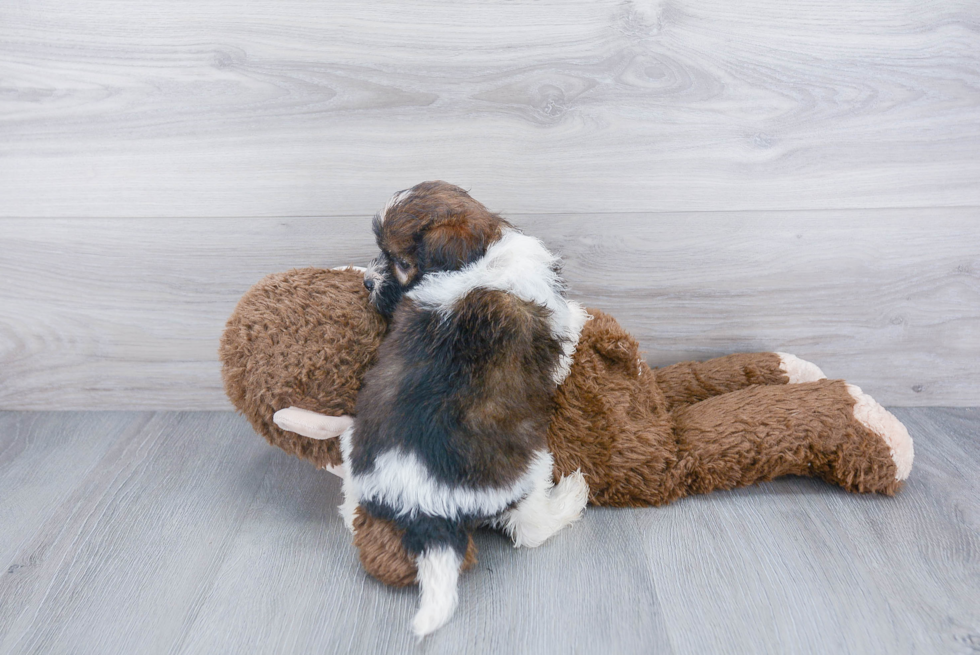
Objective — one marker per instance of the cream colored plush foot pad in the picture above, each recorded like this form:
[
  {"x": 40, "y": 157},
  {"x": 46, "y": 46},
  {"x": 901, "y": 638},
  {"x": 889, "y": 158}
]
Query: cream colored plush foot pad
[
  {"x": 883, "y": 423},
  {"x": 799, "y": 370}
]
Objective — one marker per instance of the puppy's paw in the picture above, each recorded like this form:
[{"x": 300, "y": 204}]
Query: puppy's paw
[
  {"x": 879, "y": 420},
  {"x": 799, "y": 370},
  {"x": 569, "y": 497},
  {"x": 547, "y": 510}
]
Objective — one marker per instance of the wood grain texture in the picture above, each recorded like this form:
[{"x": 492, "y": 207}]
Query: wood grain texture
[
  {"x": 122, "y": 313},
  {"x": 137, "y": 544},
  {"x": 228, "y": 108},
  {"x": 185, "y": 533},
  {"x": 30, "y": 459}
]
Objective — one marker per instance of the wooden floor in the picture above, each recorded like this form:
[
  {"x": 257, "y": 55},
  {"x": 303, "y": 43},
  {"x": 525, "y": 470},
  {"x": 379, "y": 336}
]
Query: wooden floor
[{"x": 138, "y": 532}]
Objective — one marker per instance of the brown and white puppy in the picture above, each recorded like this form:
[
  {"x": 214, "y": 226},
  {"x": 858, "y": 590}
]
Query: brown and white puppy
[{"x": 451, "y": 421}]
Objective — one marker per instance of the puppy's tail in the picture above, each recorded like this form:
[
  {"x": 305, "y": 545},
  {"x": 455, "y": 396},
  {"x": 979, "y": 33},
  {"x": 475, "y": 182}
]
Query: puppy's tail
[
  {"x": 441, "y": 546},
  {"x": 438, "y": 573}
]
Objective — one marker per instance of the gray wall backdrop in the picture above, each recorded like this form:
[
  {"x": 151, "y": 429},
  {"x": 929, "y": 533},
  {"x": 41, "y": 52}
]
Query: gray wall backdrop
[{"x": 720, "y": 176}]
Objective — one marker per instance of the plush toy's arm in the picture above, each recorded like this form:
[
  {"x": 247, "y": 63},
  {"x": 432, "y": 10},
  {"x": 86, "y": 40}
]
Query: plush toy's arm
[
  {"x": 691, "y": 382},
  {"x": 311, "y": 424},
  {"x": 314, "y": 426}
]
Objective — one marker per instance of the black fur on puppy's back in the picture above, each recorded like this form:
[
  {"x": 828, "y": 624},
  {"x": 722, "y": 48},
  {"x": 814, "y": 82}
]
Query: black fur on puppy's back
[{"x": 469, "y": 392}]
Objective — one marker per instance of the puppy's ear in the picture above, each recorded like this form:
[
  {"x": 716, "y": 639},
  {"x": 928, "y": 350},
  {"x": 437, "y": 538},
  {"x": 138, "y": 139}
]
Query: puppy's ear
[{"x": 452, "y": 245}]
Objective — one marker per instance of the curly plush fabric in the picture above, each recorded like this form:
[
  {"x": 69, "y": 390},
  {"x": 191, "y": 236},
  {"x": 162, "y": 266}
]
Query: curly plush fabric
[
  {"x": 303, "y": 338},
  {"x": 646, "y": 436}
]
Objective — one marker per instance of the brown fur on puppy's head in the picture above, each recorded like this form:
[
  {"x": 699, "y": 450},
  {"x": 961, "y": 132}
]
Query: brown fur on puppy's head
[{"x": 434, "y": 226}]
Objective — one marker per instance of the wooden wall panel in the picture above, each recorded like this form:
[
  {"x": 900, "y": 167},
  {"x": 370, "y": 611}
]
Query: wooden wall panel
[
  {"x": 230, "y": 108},
  {"x": 126, "y": 313},
  {"x": 800, "y": 139}
]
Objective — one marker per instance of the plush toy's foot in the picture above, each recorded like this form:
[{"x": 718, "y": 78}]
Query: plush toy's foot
[
  {"x": 545, "y": 511},
  {"x": 883, "y": 423},
  {"x": 799, "y": 370},
  {"x": 438, "y": 574}
]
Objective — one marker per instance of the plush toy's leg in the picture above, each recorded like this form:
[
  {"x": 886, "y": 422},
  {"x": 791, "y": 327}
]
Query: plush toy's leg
[
  {"x": 545, "y": 511},
  {"x": 826, "y": 428},
  {"x": 691, "y": 382}
]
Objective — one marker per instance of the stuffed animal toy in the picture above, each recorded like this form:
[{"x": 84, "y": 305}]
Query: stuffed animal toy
[{"x": 298, "y": 344}]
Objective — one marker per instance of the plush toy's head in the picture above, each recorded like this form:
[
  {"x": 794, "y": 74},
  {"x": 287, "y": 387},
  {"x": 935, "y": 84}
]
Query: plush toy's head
[{"x": 303, "y": 338}]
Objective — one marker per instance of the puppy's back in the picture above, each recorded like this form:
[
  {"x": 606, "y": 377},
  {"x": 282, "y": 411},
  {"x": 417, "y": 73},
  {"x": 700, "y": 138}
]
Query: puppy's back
[{"x": 467, "y": 393}]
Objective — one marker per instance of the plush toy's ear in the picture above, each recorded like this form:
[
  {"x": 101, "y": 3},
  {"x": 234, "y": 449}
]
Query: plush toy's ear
[{"x": 451, "y": 245}]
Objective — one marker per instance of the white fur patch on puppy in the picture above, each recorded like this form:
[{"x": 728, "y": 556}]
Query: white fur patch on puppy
[
  {"x": 520, "y": 265},
  {"x": 545, "y": 511},
  {"x": 396, "y": 199},
  {"x": 438, "y": 573},
  {"x": 799, "y": 370},
  {"x": 577, "y": 317},
  {"x": 352, "y": 496},
  {"x": 879, "y": 420},
  {"x": 349, "y": 506},
  {"x": 401, "y": 481}
]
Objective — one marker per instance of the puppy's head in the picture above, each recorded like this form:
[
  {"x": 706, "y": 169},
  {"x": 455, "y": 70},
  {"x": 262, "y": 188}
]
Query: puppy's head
[{"x": 434, "y": 226}]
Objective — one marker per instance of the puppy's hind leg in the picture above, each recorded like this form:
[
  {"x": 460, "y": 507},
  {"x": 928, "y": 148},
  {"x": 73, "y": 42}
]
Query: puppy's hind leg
[{"x": 546, "y": 510}]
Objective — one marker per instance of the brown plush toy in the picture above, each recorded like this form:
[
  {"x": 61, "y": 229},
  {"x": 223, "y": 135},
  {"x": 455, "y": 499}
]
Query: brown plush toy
[{"x": 301, "y": 342}]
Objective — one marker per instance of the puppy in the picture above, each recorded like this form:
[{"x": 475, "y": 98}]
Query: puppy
[{"x": 451, "y": 421}]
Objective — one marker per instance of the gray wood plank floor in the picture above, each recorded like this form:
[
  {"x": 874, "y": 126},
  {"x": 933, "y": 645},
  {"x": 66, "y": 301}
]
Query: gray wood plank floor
[{"x": 185, "y": 533}]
